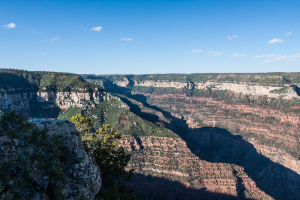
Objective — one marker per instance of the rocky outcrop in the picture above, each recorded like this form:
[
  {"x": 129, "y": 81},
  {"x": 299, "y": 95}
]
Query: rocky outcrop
[
  {"x": 64, "y": 100},
  {"x": 46, "y": 102},
  {"x": 16, "y": 101},
  {"x": 124, "y": 83},
  {"x": 85, "y": 176},
  {"x": 253, "y": 90},
  {"x": 243, "y": 88}
]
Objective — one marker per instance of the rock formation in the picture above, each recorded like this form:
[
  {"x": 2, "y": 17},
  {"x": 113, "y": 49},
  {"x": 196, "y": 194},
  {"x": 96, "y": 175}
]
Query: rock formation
[
  {"x": 64, "y": 100},
  {"x": 247, "y": 120},
  {"x": 244, "y": 88},
  {"x": 83, "y": 179}
]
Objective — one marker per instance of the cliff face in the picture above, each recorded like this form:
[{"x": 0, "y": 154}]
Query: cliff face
[
  {"x": 83, "y": 178},
  {"x": 244, "y": 88},
  {"x": 156, "y": 159},
  {"x": 65, "y": 100},
  {"x": 16, "y": 101},
  {"x": 247, "y": 120},
  {"x": 49, "y": 95},
  {"x": 273, "y": 133}
]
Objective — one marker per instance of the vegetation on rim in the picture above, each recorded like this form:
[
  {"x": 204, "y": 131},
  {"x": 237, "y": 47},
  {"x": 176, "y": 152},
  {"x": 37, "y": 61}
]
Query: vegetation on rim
[
  {"x": 35, "y": 150},
  {"x": 103, "y": 145}
]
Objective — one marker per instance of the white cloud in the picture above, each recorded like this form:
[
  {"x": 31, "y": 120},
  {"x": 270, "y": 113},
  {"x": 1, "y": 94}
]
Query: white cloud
[
  {"x": 215, "y": 53},
  {"x": 287, "y": 34},
  {"x": 238, "y": 55},
  {"x": 196, "y": 51},
  {"x": 56, "y": 38},
  {"x": 44, "y": 53},
  {"x": 126, "y": 39},
  {"x": 278, "y": 58},
  {"x": 33, "y": 31},
  {"x": 98, "y": 28},
  {"x": 231, "y": 37},
  {"x": 11, "y": 25},
  {"x": 275, "y": 40}
]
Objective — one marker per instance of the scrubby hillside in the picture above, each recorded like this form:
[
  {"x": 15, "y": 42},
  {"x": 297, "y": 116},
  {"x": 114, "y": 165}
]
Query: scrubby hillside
[{"x": 44, "y": 94}]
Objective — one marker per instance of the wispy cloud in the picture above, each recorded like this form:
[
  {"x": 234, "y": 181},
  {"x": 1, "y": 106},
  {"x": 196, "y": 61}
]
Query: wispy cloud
[
  {"x": 98, "y": 28},
  {"x": 53, "y": 39},
  {"x": 196, "y": 51},
  {"x": 126, "y": 39},
  {"x": 33, "y": 31},
  {"x": 275, "y": 40},
  {"x": 231, "y": 37},
  {"x": 11, "y": 25},
  {"x": 238, "y": 55},
  {"x": 215, "y": 53},
  {"x": 278, "y": 58},
  {"x": 44, "y": 53},
  {"x": 289, "y": 33}
]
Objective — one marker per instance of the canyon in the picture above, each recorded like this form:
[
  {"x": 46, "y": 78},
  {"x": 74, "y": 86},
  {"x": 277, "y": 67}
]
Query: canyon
[
  {"x": 253, "y": 125},
  {"x": 191, "y": 136}
]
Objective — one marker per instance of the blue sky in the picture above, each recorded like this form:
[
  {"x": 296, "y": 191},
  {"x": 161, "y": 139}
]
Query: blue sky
[{"x": 147, "y": 37}]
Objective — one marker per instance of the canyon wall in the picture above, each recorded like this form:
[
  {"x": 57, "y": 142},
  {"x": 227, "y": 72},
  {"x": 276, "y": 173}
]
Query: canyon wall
[
  {"x": 249, "y": 121},
  {"x": 39, "y": 94},
  {"x": 27, "y": 102},
  {"x": 243, "y": 88},
  {"x": 198, "y": 136},
  {"x": 157, "y": 159}
]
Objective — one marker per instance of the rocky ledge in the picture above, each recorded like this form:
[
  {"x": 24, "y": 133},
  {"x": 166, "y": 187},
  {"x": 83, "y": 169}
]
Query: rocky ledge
[{"x": 85, "y": 176}]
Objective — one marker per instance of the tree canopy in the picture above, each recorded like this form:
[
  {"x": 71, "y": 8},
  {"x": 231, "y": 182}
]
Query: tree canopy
[{"x": 103, "y": 145}]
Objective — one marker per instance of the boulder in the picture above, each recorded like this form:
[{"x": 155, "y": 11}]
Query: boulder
[{"x": 83, "y": 179}]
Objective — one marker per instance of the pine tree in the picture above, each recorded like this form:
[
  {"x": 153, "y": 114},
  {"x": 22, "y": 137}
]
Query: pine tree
[{"x": 103, "y": 145}]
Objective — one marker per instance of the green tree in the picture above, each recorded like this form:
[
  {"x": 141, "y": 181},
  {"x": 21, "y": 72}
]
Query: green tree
[
  {"x": 103, "y": 145},
  {"x": 36, "y": 153}
]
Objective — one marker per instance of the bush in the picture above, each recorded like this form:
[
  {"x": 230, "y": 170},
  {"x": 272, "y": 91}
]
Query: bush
[
  {"x": 37, "y": 169},
  {"x": 112, "y": 159}
]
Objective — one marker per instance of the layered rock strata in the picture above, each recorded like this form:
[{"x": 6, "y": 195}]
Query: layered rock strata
[
  {"x": 64, "y": 100},
  {"x": 166, "y": 168},
  {"x": 243, "y": 88},
  {"x": 48, "y": 104},
  {"x": 247, "y": 120},
  {"x": 273, "y": 133}
]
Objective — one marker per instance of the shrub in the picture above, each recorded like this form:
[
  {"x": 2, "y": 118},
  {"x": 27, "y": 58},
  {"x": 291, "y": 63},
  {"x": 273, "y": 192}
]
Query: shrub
[
  {"x": 36, "y": 154},
  {"x": 112, "y": 159}
]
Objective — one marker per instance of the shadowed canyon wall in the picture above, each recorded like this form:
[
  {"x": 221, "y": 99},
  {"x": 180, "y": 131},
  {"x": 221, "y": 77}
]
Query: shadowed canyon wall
[
  {"x": 245, "y": 120},
  {"x": 196, "y": 136}
]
